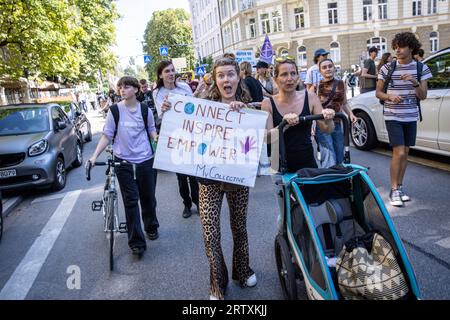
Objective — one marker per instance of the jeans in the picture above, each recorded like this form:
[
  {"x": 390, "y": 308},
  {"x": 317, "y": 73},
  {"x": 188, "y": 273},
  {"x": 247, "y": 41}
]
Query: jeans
[
  {"x": 134, "y": 190},
  {"x": 331, "y": 146}
]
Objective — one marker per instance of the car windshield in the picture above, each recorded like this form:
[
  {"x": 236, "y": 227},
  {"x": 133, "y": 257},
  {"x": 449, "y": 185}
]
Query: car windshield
[{"x": 15, "y": 121}]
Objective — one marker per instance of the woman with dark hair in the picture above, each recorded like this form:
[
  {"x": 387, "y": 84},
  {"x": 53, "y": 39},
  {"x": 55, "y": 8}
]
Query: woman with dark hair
[
  {"x": 252, "y": 84},
  {"x": 165, "y": 85},
  {"x": 288, "y": 105},
  {"x": 385, "y": 58},
  {"x": 228, "y": 88}
]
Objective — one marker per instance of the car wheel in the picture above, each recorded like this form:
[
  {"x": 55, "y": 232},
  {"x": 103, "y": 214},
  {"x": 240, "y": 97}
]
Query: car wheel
[
  {"x": 79, "y": 158},
  {"x": 60, "y": 175},
  {"x": 88, "y": 136},
  {"x": 364, "y": 136}
]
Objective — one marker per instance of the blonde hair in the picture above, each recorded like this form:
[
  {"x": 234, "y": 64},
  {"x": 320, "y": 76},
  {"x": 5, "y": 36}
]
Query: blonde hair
[{"x": 246, "y": 67}]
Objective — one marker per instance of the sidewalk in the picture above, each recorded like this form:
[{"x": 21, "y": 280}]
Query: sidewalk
[{"x": 9, "y": 204}]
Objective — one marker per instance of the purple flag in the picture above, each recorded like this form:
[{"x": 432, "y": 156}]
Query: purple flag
[{"x": 266, "y": 51}]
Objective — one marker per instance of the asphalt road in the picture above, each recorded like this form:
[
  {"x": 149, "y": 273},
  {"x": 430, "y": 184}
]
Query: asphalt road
[{"x": 48, "y": 236}]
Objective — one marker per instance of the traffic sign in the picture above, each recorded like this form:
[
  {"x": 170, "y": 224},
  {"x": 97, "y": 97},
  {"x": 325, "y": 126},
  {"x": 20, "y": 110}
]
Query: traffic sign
[
  {"x": 147, "y": 59},
  {"x": 200, "y": 71},
  {"x": 163, "y": 51}
]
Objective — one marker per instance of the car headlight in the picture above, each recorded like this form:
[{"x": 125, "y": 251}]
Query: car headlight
[{"x": 38, "y": 148}]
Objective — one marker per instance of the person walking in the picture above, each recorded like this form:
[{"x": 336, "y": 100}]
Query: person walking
[
  {"x": 313, "y": 75},
  {"x": 369, "y": 72},
  {"x": 407, "y": 85},
  {"x": 288, "y": 105},
  {"x": 255, "y": 89},
  {"x": 264, "y": 78},
  {"x": 332, "y": 95},
  {"x": 228, "y": 88},
  {"x": 131, "y": 146},
  {"x": 166, "y": 84}
]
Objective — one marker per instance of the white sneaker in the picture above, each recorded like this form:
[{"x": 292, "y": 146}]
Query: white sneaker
[
  {"x": 403, "y": 195},
  {"x": 211, "y": 297},
  {"x": 251, "y": 281},
  {"x": 395, "y": 198}
]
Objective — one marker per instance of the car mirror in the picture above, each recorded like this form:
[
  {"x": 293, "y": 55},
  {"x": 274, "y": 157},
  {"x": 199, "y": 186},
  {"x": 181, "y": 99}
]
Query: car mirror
[{"x": 61, "y": 125}]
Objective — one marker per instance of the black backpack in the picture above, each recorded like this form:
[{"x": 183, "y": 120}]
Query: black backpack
[
  {"x": 389, "y": 79},
  {"x": 144, "y": 112}
]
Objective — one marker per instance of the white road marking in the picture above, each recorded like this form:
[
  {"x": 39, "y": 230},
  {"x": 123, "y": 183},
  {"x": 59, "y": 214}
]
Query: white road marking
[
  {"x": 445, "y": 243},
  {"x": 48, "y": 198},
  {"x": 26, "y": 273}
]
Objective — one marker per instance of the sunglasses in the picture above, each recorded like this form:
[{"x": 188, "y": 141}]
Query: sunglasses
[{"x": 283, "y": 59}]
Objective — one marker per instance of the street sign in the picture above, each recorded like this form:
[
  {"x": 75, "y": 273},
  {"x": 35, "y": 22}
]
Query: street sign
[
  {"x": 147, "y": 59},
  {"x": 200, "y": 71},
  {"x": 163, "y": 51}
]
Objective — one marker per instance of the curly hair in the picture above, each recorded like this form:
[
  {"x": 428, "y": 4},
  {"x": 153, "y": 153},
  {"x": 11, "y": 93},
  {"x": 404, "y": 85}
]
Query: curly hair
[
  {"x": 406, "y": 39},
  {"x": 242, "y": 93}
]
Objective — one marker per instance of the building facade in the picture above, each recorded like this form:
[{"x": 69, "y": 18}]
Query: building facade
[{"x": 296, "y": 28}]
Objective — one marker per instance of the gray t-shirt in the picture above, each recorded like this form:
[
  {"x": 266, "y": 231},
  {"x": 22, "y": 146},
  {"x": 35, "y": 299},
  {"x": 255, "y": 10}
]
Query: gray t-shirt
[
  {"x": 369, "y": 83},
  {"x": 131, "y": 142}
]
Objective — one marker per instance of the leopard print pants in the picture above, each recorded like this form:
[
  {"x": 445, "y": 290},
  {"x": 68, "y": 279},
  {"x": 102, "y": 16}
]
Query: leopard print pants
[{"x": 211, "y": 197}]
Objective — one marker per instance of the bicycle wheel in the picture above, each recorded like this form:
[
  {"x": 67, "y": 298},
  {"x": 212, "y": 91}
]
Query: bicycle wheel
[{"x": 110, "y": 230}]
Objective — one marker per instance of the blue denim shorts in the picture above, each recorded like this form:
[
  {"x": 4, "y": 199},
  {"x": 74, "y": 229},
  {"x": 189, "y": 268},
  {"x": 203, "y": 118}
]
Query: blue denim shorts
[{"x": 401, "y": 133}]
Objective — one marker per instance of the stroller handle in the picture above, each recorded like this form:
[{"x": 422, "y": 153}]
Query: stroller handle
[{"x": 339, "y": 115}]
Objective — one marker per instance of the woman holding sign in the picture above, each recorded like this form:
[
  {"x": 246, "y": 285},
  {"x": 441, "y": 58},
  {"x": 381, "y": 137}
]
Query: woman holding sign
[
  {"x": 230, "y": 89},
  {"x": 288, "y": 105},
  {"x": 166, "y": 84}
]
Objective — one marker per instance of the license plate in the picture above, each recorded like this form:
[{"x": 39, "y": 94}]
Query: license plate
[{"x": 7, "y": 173}]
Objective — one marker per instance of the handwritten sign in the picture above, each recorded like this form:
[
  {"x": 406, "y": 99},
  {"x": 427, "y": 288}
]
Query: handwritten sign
[{"x": 206, "y": 139}]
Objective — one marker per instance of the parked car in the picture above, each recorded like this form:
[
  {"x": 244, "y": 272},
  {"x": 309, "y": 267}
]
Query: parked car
[
  {"x": 433, "y": 133},
  {"x": 79, "y": 118},
  {"x": 1, "y": 216},
  {"x": 37, "y": 143}
]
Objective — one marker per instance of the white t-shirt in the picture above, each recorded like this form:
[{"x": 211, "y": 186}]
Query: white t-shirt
[{"x": 160, "y": 94}]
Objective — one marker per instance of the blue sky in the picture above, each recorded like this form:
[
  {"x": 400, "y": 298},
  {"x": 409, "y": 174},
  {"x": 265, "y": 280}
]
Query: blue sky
[{"x": 135, "y": 16}]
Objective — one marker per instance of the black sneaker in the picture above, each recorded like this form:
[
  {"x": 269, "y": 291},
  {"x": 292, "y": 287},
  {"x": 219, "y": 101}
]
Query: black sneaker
[
  {"x": 138, "y": 251},
  {"x": 153, "y": 235},
  {"x": 187, "y": 212}
]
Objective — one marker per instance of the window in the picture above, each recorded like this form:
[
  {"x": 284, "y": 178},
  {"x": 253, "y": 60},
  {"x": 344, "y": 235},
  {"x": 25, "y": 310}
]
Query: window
[
  {"x": 378, "y": 42},
  {"x": 265, "y": 23},
  {"x": 367, "y": 10},
  {"x": 434, "y": 41},
  {"x": 417, "y": 7},
  {"x": 335, "y": 52},
  {"x": 301, "y": 56},
  {"x": 237, "y": 31},
  {"x": 432, "y": 6},
  {"x": 440, "y": 68},
  {"x": 382, "y": 9},
  {"x": 299, "y": 16},
  {"x": 332, "y": 13},
  {"x": 252, "y": 27},
  {"x": 277, "y": 23},
  {"x": 233, "y": 5}
]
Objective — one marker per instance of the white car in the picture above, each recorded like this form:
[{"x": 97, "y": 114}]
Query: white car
[{"x": 433, "y": 133}]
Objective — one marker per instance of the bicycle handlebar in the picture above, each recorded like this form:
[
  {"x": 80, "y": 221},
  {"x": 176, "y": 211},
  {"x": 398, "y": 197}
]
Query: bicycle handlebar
[
  {"x": 89, "y": 167},
  {"x": 339, "y": 115}
]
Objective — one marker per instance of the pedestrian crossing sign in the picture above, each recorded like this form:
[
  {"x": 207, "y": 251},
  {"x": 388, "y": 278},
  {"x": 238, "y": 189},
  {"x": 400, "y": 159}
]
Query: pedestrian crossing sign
[
  {"x": 147, "y": 59},
  {"x": 200, "y": 71},
  {"x": 163, "y": 51}
]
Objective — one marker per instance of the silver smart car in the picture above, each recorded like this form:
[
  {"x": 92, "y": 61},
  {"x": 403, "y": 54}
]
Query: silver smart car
[{"x": 37, "y": 143}]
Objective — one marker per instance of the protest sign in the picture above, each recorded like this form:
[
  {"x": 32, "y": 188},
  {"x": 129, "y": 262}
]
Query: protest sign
[{"x": 206, "y": 139}]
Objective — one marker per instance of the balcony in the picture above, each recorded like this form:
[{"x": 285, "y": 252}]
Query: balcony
[{"x": 247, "y": 5}]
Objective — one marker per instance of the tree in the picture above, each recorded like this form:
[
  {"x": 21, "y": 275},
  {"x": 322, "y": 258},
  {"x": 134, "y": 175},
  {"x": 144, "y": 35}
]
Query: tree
[
  {"x": 68, "y": 39},
  {"x": 169, "y": 28}
]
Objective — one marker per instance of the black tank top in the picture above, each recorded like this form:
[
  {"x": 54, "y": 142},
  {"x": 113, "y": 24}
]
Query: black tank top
[{"x": 299, "y": 149}]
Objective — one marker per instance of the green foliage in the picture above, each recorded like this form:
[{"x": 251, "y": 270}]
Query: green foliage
[
  {"x": 169, "y": 28},
  {"x": 69, "y": 39}
]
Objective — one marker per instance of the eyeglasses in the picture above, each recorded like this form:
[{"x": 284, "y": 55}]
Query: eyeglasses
[{"x": 283, "y": 59}]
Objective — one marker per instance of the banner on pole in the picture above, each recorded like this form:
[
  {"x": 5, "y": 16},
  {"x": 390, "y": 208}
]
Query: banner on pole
[{"x": 206, "y": 139}]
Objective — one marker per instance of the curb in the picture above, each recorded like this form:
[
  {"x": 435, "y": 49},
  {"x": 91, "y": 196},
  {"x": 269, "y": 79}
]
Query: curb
[{"x": 10, "y": 204}]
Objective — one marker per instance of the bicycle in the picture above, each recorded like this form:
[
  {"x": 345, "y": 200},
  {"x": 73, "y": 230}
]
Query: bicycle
[{"x": 109, "y": 203}]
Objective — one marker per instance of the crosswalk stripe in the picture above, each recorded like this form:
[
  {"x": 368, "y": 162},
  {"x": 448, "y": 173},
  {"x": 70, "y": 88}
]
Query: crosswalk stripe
[{"x": 21, "y": 281}]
